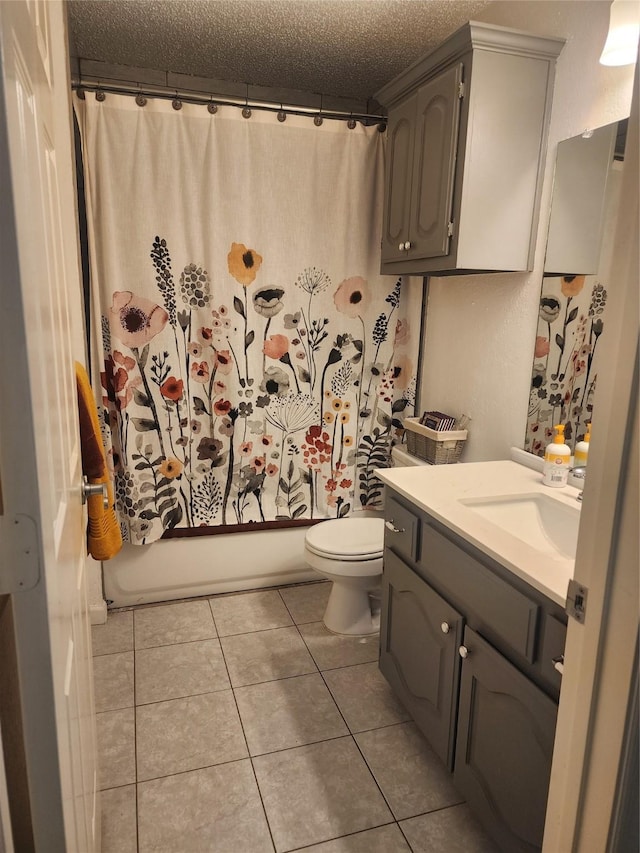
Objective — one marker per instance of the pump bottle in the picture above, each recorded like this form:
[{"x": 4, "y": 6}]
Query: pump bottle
[
  {"x": 582, "y": 450},
  {"x": 557, "y": 458}
]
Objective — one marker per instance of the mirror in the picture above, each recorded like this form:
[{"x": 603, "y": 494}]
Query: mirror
[{"x": 572, "y": 313}]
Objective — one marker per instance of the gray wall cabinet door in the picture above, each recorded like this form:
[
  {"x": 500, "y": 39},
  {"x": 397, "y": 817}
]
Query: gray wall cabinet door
[
  {"x": 506, "y": 728},
  {"x": 400, "y": 131},
  {"x": 419, "y": 638},
  {"x": 434, "y": 163}
]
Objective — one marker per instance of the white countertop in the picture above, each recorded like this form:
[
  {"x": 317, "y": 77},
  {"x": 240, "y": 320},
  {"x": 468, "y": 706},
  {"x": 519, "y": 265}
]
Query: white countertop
[{"x": 439, "y": 490}]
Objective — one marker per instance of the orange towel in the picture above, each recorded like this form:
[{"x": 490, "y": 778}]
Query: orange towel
[{"x": 104, "y": 539}]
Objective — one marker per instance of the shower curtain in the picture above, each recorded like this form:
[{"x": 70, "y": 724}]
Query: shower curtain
[{"x": 255, "y": 367}]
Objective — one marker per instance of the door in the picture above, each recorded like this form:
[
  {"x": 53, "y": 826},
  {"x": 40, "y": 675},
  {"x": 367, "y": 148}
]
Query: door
[
  {"x": 395, "y": 229},
  {"x": 42, "y": 525},
  {"x": 415, "y": 617},
  {"x": 434, "y": 164},
  {"x": 506, "y": 727}
]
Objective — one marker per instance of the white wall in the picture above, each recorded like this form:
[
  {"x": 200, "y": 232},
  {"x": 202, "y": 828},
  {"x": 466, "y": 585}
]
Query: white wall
[{"x": 480, "y": 330}]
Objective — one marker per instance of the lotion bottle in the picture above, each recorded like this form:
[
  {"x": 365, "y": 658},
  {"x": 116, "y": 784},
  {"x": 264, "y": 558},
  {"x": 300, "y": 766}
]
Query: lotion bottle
[
  {"x": 557, "y": 459},
  {"x": 582, "y": 450}
]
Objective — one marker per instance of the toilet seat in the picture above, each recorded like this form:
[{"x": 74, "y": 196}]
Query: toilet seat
[{"x": 347, "y": 540}]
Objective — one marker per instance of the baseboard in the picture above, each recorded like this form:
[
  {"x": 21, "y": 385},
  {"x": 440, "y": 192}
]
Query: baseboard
[{"x": 98, "y": 613}]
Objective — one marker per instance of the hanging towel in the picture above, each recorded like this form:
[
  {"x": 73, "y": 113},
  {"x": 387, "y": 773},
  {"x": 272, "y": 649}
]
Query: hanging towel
[{"x": 104, "y": 539}]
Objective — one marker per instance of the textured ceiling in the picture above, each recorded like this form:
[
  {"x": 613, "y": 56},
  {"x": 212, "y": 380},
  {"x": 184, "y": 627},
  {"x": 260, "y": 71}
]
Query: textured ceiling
[{"x": 337, "y": 47}]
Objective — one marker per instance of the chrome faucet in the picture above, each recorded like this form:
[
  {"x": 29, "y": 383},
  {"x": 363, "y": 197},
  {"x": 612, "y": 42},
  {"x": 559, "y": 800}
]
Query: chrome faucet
[{"x": 580, "y": 473}]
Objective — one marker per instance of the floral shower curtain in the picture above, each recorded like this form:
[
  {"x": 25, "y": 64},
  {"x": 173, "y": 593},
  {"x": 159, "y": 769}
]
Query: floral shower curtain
[{"x": 255, "y": 367}]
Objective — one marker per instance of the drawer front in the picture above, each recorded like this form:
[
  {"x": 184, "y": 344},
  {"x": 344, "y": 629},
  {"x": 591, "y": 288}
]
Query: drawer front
[
  {"x": 401, "y": 530},
  {"x": 501, "y": 611}
]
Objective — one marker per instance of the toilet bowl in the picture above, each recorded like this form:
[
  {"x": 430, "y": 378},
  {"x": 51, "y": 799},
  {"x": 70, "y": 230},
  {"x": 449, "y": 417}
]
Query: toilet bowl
[{"x": 348, "y": 551}]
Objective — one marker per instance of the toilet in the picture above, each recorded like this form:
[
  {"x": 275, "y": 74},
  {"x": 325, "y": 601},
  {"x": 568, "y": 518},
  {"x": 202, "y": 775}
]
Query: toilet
[{"x": 348, "y": 551}]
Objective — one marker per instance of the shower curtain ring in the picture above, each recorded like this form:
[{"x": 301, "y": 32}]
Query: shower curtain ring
[
  {"x": 141, "y": 101},
  {"x": 213, "y": 108},
  {"x": 246, "y": 112},
  {"x": 282, "y": 116},
  {"x": 100, "y": 95},
  {"x": 352, "y": 122},
  {"x": 318, "y": 119},
  {"x": 176, "y": 103}
]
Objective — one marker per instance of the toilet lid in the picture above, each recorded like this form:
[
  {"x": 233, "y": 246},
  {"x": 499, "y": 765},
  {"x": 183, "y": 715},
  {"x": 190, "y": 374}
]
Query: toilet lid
[{"x": 347, "y": 538}]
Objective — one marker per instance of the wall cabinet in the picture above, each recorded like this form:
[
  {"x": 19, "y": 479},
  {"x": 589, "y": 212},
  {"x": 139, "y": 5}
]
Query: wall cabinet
[
  {"x": 470, "y": 651},
  {"x": 467, "y": 136}
]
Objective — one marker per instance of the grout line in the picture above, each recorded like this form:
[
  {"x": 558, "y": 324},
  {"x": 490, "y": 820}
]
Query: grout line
[
  {"x": 135, "y": 729},
  {"x": 339, "y": 837},
  {"x": 244, "y": 734}
]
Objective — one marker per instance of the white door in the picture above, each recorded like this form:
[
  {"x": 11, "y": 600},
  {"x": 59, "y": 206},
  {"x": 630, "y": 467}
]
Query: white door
[{"x": 42, "y": 538}]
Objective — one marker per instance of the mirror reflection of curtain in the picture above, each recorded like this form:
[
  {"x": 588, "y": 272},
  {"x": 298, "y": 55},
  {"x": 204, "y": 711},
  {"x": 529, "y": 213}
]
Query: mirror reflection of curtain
[
  {"x": 255, "y": 365},
  {"x": 571, "y": 322}
]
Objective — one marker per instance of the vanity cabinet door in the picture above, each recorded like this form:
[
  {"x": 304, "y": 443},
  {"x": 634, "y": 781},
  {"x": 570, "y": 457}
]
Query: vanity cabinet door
[
  {"x": 504, "y": 746},
  {"x": 419, "y": 638}
]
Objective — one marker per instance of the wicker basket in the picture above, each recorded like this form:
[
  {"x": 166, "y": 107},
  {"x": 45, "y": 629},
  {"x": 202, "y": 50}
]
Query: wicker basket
[{"x": 438, "y": 448}]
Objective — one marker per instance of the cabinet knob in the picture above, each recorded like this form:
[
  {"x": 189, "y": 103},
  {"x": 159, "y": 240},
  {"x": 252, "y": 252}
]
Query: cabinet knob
[
  {"x": 463, "y": 651},
  {"x": 401, "y": 247},
  {"x": 558, "y": 663},
  {"x": 445, "y": 627},
  {"x": 391, "y": 526},
  {"x": 407, "y": 245}
]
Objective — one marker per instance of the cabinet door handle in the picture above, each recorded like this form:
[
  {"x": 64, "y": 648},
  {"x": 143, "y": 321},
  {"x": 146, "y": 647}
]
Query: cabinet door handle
[
  {"x": 463, "y": 651},
  {"x": 558, "y": 663},
  {"x": 401, "y": 247},
  {"x": 391, "y": 526},
  {"x": 445, "y": 627},
  {"x": 407, "y": 245}
]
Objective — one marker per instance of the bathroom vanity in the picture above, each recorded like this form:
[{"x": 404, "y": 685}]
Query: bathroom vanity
[{"x": 476, "y": 565}]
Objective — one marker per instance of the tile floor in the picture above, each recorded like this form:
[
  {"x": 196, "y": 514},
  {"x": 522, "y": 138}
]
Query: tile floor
[{"x": 239, "y": 724}]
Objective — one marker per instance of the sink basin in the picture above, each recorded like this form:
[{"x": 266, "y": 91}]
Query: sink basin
[{"x": 546, "y": 524}]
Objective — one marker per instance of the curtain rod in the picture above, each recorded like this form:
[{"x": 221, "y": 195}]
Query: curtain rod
[{"x": 179, "y": 96}]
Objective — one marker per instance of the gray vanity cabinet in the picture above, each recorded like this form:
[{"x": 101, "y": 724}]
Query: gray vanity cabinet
[
  {"x": 467, "y": 137},
  {"x": 415, "y": 616},
  {"x": 472, "y": 651}
]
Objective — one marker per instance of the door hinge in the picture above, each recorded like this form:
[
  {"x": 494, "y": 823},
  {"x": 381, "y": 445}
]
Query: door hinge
[
  {"x": 19, "y": 553},
  {"x": 576, "y": 600},
  {"x": 450, "y": 228},
  {"x": 461, "y": 90}
]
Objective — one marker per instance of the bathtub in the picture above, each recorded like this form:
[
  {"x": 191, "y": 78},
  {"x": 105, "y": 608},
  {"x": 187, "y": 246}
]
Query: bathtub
[{"x": 205, "y": 565}]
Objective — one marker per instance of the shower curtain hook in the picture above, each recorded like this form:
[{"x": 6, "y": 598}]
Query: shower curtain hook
[
  {"x": 141, "y": 101},
  {"x": 318, "y": 119},
  {"x": 100, "y": 95},
  {"x": 213, "y": 108},
  {"x": 176, "y": 103},
  {"x": 282, "y": 116},
  {"x": 246, "y": 112},
  {"x": 352, "y": 122}
]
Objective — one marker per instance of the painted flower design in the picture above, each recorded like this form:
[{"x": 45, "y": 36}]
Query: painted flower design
[
  {"x": 402, "y": 334},
  {"x": 199, "y": 371},
  {"x": 209, "y": 448},
  {"x": 224, "y": 361},
  {"x": 268, "y": 301},
  {"x": 171, "y": 468},
  {"x": 172, "y": 388},
  {"x": 352, "y": 296},
  {"x": 275, "y": 381},
  {"x": 136, "y": 320},
  {"x": 572, "y": 284},
  {"x": 276, "y": 346},
  {"x": 549, "y": 308},
  {"x": 542, "y": 347},
  {"x": 243, "y": 263},
  {"x": 245, "y": 448},
  {"x": 221, "y": 407}
]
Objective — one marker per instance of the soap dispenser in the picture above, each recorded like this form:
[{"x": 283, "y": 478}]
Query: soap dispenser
[
  {"x": 557, "y": 459},
  {"x": 582, "y": 450}
]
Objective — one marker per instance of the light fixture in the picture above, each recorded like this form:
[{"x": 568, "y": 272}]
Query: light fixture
[{"x": 621, "y": 47}]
